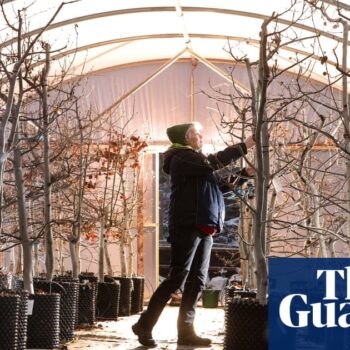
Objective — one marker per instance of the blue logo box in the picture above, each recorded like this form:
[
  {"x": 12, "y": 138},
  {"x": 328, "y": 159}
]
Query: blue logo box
[{"x": 309, "y": 304}]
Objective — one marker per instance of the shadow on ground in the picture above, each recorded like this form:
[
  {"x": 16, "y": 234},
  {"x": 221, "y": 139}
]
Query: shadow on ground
[{"x": 118, "y": 334}]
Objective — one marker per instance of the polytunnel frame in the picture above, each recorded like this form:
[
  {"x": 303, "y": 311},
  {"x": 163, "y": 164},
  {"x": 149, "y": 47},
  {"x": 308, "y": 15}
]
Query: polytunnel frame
[{"x": 181, "y": 11}]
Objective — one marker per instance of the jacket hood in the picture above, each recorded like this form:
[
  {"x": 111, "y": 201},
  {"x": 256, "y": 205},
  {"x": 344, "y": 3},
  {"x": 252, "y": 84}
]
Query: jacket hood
[
  {"x": 168, "y": 155},
  {"x": 177, "y": 133}
]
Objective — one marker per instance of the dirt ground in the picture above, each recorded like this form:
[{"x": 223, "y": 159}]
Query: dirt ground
[{"x": 118, "y": 334}]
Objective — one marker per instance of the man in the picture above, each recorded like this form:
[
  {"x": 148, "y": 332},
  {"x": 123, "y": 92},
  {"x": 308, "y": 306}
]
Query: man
[{"x": 196, "y": 213}]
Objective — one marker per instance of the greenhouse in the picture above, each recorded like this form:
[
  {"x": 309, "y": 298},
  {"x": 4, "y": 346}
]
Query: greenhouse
[{"x": 90, "y": 91}]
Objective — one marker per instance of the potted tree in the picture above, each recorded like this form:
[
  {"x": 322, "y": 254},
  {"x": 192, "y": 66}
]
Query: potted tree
[{"x": 261, "y": 107}]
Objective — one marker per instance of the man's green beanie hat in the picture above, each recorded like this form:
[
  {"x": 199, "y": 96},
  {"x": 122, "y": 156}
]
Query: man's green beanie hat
[{"x": 177, "y": 133}]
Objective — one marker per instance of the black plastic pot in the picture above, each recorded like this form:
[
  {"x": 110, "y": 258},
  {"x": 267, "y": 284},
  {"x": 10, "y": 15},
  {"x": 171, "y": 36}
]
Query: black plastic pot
[
  {"x": 137, "y": 295},
  {"x": 126, "y": 288},
  {"x": 245, "y": 325},
  {"x": 69, "y": 278},
  {"x": 44, "y": 323},
  {"x": 68, "y": 305},
  {"x": 22, "y": 316},
  {"x": 68, "y": 309},
  {"x": 107, "y": 305},
  {"x": 9, "y": 317},
  {"x": 23, "y": 320},
  {"x": 87, "y": 303},
  {"x": 89, "y": 276}
]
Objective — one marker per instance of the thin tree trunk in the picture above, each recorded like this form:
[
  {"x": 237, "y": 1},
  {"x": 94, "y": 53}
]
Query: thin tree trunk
[
  {"x": 5, "y": 141},
  {"x": 272, "y": 204},
  {"x": 123, "y": 240},
  {"x": 130, "y": 238},
  {"x": 77, "y": 248},
  {"x": 36, "y": 259},
  {"x": 140, "y": 225},
  {"x": 12, "y": 260},
  {"x": 130, "y": 255},
  {"x": 8, "y": 136},
  {"x": 330, "y": 247},
  {"x": 108, "y": 260},
  {"x": 123, "y": 255},
  {"x": 346, "y": 117},
  {"x": 323, "y": 252},
  {"x": 252, "y": 280},
  {"x": 2, "y": 258},
  {"x": 61, "y": 258},
  {"x": 269, "y": 220},
  {"x": 35, "y": 249},
  {"x": 74, "y": 251},
  {"x": 19, "y": 260},
  {"x": 74, "y": 258},
  {"x": 49, "y": 258},
  {"x": 75, "y": 239},
  {"x": 23, "y": 224},
  {"x": 262, "y": 160},
  {"x": 101, "y": 249},
  {"x": 308, "y": 247},
  {"x": 56, "y": 259},
  {"x": 244, "y": 249}
]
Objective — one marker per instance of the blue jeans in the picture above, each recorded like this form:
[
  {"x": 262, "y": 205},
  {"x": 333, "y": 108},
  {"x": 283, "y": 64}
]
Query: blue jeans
[{"x": 190, "y": 258}]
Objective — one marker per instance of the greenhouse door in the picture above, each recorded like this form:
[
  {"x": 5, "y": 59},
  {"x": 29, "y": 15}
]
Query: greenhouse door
[{"x": 148, "y": 245}]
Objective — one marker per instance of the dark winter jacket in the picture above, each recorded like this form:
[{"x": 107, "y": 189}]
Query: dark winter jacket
[{"x": 195, "y": 194}]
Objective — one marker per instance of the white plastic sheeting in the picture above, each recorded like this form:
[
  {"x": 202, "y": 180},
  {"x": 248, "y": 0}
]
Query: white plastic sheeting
[
  {"x": 123, "y": 45},
  {"x": 166, "y": 100},
  {"x": 109, "y": 33}
]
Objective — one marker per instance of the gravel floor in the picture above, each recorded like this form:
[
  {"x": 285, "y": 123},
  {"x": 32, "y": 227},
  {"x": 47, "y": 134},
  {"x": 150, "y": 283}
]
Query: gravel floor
[{"x": 118, "y": 334}]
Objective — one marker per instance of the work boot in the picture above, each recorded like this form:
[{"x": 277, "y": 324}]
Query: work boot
[
  {"x": 144, "y": 335},
  {"x": 189, "y": 337}
]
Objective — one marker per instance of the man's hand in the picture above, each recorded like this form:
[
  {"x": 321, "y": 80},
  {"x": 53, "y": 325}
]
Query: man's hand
[{"x": 249, "y": 141}]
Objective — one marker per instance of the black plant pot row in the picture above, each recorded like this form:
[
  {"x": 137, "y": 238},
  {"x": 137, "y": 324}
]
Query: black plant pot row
[
  {"x": 116, "y": 296},
  {"x": 57, "y": 309},
  {"x": 23, "y": 319},
  {"x": 67, "y": 289},
  {"x": 119, "y": 296},
  {"x": 131, "y": 294},
  {"x": 13, "y": 319},
  {"x": 9, "y": 321},
  {"x": 18, "y": 330}
]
